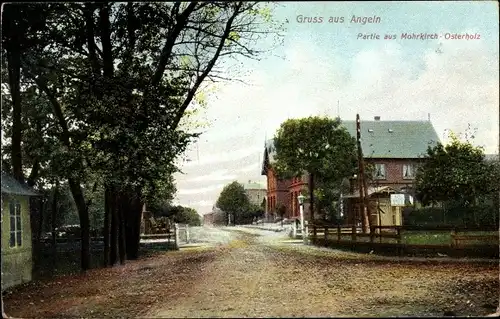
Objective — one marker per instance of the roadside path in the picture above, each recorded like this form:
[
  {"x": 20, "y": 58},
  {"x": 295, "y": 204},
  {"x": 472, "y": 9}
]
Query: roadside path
[
  {"x": 255, "y": 273},
  {"x": 263, "y": 275}
]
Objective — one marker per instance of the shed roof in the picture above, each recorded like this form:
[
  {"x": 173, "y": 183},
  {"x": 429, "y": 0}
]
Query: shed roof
[
  {"x": 372, "y": 190},
  {"x": 11, "y": 186}
]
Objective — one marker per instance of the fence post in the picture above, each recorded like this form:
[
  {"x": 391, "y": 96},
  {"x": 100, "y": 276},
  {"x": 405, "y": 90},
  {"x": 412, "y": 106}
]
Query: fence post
[
  {"x": 187, "y": 233},
  {"x": 306, "y": 232},
  {"x": 400, "y": 248},
  {"x": 326, "y": 235},
  {"x": 176, "y": 234},
  {"x": 315, "y": 234},
  {"x": 339, "y": 231},
  {"x": 372, "y": 234},
  {"x": 353, "y": 233},
  {"x": 453, "y": 241}
]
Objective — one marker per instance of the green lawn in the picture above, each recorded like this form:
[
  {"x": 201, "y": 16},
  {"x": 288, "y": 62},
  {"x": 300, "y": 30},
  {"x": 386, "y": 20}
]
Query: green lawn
[
  {"x": 423, "y": 238},
  {"x": 442, "y": 237}
]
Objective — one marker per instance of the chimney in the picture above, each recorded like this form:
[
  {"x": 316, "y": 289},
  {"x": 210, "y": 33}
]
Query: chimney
[{"x": 377, "y": 118}]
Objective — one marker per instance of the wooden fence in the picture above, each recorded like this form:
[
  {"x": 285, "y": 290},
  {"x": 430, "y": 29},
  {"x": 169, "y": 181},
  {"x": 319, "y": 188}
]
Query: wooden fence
[
  {"x": 450, "y": 240},
  {"x": 178, "y": 233}
]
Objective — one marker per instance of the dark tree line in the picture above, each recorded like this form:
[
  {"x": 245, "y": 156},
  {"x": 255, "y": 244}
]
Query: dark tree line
[{"x": 95, "y": 95}]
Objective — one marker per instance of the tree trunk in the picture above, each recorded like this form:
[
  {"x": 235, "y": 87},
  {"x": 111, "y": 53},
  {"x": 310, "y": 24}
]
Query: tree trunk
[
  {"x": 121, "y": 229},
  {"x": 114, "y": 229},
  {"x": 311, "y": 197},
  {"x": 55, "y": 198},
  {"x": 14, "y": 71},
  {"x": 83, "y": 214},
  {"x": 106, "y": 227},
  {"x": 133, "y": 225}
]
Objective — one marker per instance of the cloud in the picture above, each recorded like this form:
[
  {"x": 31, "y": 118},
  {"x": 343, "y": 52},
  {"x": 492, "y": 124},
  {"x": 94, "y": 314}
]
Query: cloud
[
  {"x": 250, "y": 168},
  {"x": 457, "y": 87},
  {"x": 228, "y": 155},
  {"x": 203, "y": 190},
  {"x": 220, "y": 175}
]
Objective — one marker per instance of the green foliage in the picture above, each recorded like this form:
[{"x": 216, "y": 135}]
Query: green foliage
[
  {"x": 179, "y": 214},
  {"x": 314, "y": 144},
  {"x": 317, "y": 145},
  {"x": 187, "y": 215},
  {"x": 109, "y": 90},
  {"x": 453, "y": 213},
  {"x": 455, "y": 172},
  {"x": 233, "y": 199}
]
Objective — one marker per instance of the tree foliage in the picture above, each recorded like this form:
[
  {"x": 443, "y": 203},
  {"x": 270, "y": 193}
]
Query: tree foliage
[
  {"x": 179, "y": 214},
  {"x": 99, "y": 93},
  {"x": 320, "y": 147},
  {"x": 233, "y": 200},
  {"x": 456, "y": 171}
]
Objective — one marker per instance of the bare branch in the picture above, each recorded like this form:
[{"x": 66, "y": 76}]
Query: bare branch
[{"x": 208, "y": 68}]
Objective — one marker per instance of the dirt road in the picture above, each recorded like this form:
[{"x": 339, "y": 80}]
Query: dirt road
[{"x": 261, "y": 276}]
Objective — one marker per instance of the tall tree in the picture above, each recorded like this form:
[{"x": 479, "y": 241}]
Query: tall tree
[
  {"x": 233, "y": 201},
  {"x": 456, "y": 171},
  {"x": 317, "y": 145},
  {"x": 120, "y": 78}
]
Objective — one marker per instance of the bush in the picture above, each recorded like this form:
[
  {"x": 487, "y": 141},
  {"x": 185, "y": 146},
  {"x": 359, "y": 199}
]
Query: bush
[{"x": 481, "y": 215}]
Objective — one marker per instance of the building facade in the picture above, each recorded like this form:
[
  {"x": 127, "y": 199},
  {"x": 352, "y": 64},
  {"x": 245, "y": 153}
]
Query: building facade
[
  {"x": 255, "y": 192},
  {"x": 393, "y": 149},
  {"x": 17, "y": 262},
  {"x": 208, "y": 219}
]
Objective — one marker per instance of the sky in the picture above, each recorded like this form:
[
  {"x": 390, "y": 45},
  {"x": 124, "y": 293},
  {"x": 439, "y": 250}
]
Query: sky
[{"x": 329, "y": 69}]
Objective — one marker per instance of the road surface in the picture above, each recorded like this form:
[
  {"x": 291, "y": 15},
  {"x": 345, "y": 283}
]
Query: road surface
[{"x": 255, "y": 273}]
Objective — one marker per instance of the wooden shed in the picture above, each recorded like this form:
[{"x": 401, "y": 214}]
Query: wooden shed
[
  {"x": 382, "y": 212},
  {"x": 17, "y": 263}
]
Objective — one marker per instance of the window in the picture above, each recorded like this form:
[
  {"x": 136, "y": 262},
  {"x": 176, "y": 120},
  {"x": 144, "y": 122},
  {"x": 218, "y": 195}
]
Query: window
[
  {"x": 408, "y": 171},
  {"x": 15, "y": 224},
  {"x": 379, "y": 171}
]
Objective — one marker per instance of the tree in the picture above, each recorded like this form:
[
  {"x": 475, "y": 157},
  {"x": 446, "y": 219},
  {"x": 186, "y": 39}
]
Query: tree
[
  {"x": 456, "y": 172},
  {"x": 179, "y": 214},
  {"x": 319, "y": 146},
  {"x": 119, "y": 79},
  {"x": 188, "y": 216},
  {"x": 233, "y": 201}
]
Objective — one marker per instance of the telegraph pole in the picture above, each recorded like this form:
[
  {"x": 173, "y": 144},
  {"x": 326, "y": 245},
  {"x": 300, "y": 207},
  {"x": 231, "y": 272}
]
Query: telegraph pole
[{"x": 363, "y": 189}]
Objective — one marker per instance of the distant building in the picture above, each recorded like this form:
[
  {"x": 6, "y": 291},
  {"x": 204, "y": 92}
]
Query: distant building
[
  {"x": 393, "y": 148},
  {"x": 256, "y": 192},
  {"x": 208, "y": 219}
]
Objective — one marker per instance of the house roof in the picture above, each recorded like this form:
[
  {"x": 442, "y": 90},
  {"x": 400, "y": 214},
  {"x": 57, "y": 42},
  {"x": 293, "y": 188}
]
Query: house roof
[
  {"x": 386, "y": 139},
  {"x": 11, "y": 186},
  {"x": 394, "y": 139},
  {"x": 253, "y": 185}
]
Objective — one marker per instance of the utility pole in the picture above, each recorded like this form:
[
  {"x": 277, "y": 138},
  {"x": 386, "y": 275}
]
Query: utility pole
[
  {"x": 4, "y": 315},
  {"x": 363, "y": 188}
]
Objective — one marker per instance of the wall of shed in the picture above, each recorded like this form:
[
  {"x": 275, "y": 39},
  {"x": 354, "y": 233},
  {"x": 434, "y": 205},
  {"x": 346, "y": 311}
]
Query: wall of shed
[{"x": 17, "y": 263}]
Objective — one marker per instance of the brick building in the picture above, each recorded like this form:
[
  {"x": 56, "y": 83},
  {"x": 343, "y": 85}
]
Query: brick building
[{"x": 394, "y": 148}]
